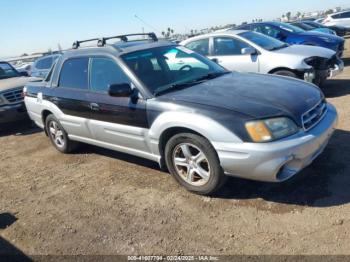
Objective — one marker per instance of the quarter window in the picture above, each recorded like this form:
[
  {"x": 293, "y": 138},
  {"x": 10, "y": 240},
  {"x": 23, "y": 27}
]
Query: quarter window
[
  {"x": 74, "y": 73},
  {"x": 228, "y": 46},
  {"x": 105, "y": 72},
  {"x": 44, "y": 63},
  {"x": 200, "y": 46}
]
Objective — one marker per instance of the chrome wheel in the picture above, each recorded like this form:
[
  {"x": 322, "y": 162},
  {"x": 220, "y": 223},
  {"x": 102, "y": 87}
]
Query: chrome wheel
[
  {"x": 191, "y": 164},
  {"x": 57, "y": 134}
]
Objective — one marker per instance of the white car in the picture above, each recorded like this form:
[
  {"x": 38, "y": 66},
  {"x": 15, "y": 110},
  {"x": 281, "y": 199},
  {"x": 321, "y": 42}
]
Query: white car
[
  {"x": 340, "y": 19},
  {"x": 246, "y": 51}
]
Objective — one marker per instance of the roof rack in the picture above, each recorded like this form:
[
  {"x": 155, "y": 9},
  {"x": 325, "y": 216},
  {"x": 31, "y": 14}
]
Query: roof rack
[{"x": 102, "y": 41}]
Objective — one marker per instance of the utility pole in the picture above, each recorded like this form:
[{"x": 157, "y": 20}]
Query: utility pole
[{"x": 145, "y": 23}]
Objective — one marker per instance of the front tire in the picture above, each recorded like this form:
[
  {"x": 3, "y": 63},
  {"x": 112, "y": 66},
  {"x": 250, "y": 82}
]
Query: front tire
[
  {"x": 58, "y": 136},
  {"x": 194, "y": 163}
]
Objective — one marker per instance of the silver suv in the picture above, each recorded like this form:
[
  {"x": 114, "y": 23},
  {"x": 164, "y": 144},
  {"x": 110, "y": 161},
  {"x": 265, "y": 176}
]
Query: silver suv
[{"x": 340, "y": 18}]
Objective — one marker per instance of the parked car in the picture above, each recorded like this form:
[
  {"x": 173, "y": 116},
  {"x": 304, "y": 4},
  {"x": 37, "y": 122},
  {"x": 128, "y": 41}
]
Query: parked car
[
  {"x": 339, "y": 19},
  {"x": 307, "y": 27},
  {"x": 294, "y": 35},
  {"x": 201, "y": 122},
  {"x": 247, "y": 51},
  {"x": 42, "y": 66},
  {"x": 24, "y": 68},
  {"x": 12, "y": 108},
  {"x": 339, "y": 30}
]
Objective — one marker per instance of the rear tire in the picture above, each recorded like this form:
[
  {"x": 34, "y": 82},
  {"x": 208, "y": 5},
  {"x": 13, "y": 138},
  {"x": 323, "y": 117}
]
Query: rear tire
[
  {"x": 58, "y": 136},
  {"x": 194, "y": 164},
  {"x": 285, "y": 73}
]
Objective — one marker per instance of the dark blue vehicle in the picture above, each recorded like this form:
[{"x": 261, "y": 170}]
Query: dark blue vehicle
[{"x": 294, "y": 35}]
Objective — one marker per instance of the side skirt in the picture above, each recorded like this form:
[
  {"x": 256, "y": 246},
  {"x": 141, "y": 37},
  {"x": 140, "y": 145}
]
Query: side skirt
[{"x": 122, "y": 149}]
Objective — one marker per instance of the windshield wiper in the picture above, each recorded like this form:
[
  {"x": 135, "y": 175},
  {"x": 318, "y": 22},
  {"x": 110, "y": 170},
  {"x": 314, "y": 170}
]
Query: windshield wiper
[
  {"x": 211, "y": 76},
  {"x": 190, "y": 83}
]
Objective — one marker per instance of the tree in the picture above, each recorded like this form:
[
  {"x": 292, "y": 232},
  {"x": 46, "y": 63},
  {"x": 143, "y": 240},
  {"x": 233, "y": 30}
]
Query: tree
[
  {"x": 329, "y": 11},
  {"x": 288, "y": 15},
  {"x": 298, "y": 14}
]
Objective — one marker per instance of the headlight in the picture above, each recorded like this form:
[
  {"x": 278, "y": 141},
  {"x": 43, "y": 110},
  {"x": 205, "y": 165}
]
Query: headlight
[
  {"x": 1, "y": 100},
  {"x": 271, "y": 129}
]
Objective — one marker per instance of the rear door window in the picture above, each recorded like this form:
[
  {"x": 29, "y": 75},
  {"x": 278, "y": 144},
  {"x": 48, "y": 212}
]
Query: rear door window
[
  {"x": 44, "y": 63},
  {"x": 74, "y": 73}
]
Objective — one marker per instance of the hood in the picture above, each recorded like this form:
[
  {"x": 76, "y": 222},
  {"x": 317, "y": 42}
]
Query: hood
[
  {"x": 14, "y": 82},
  {"x": 306, "y": 51},
  {"x": 257, "y": 96},
  {"x": 319, "y": 35}
]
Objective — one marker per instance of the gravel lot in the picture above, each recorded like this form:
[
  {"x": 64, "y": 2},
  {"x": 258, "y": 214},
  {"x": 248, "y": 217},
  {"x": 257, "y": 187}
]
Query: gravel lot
[{"x": 101, "y": 202}]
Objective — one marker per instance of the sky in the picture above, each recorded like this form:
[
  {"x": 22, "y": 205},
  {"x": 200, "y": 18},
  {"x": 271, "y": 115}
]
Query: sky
[{"x": 37, "y": 25}]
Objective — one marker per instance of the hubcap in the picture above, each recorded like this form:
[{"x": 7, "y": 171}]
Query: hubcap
[
  {"x": 56, "y": 134},
  {"x": 191, "y": 164}
]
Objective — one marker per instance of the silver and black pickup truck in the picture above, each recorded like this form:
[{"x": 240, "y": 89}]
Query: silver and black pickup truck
[
  {"x": 12, "y": 107},
  {"x": 198, "y": 120}
]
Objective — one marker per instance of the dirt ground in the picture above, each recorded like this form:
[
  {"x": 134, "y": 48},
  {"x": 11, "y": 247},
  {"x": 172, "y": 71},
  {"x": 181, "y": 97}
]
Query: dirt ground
[{"x": 101, "y": 202}]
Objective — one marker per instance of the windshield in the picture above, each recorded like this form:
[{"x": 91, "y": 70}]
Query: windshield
[
  {"x": 169, "y": 68},
  {"x": 313, "y": 24},
  {"x": 7, "y": 71},
  {"x": 264, "y": 41},
  {"x": 290, "y": 28}
]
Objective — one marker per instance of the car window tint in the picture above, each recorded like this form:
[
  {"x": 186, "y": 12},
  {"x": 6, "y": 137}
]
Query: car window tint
[
  {"x": 45, "y": 63},
  {"x": 74, "y": 73},
  {"x": 200, "y": 46},
  {"x": 228, "y": 46},
  {"x": 105, "y": 72},
  {"x": 345, "y": 15}
]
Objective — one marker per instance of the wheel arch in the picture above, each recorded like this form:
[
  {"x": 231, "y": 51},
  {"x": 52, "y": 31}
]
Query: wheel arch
[
  {"x": 44, "y": 114},
  {"x": 168, "y": 133},
  {"x": 272, "y": 71}
]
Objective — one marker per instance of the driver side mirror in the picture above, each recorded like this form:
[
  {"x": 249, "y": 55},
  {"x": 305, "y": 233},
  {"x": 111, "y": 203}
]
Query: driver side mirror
[
  {"x": 248, "y": 51},
  {"x": 120, "y": 90}
]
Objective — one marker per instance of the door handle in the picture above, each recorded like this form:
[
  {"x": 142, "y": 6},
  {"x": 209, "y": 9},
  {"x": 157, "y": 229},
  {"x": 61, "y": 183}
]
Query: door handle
[{"x": 94, "y": 107}]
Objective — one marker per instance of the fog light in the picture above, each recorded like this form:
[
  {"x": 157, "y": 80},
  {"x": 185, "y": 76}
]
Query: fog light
[{"x": 309, "y": 76}]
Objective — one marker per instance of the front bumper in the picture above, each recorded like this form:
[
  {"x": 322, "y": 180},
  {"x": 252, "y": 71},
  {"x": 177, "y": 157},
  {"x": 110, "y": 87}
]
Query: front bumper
[
  {"x": 277, "y": 161},
  {"x": 13, "y": 113}
]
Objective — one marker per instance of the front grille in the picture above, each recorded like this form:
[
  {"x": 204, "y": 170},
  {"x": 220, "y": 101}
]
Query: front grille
[
  {"x": 14, "y": 95},
  {"x": 312, "y": 117}
]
